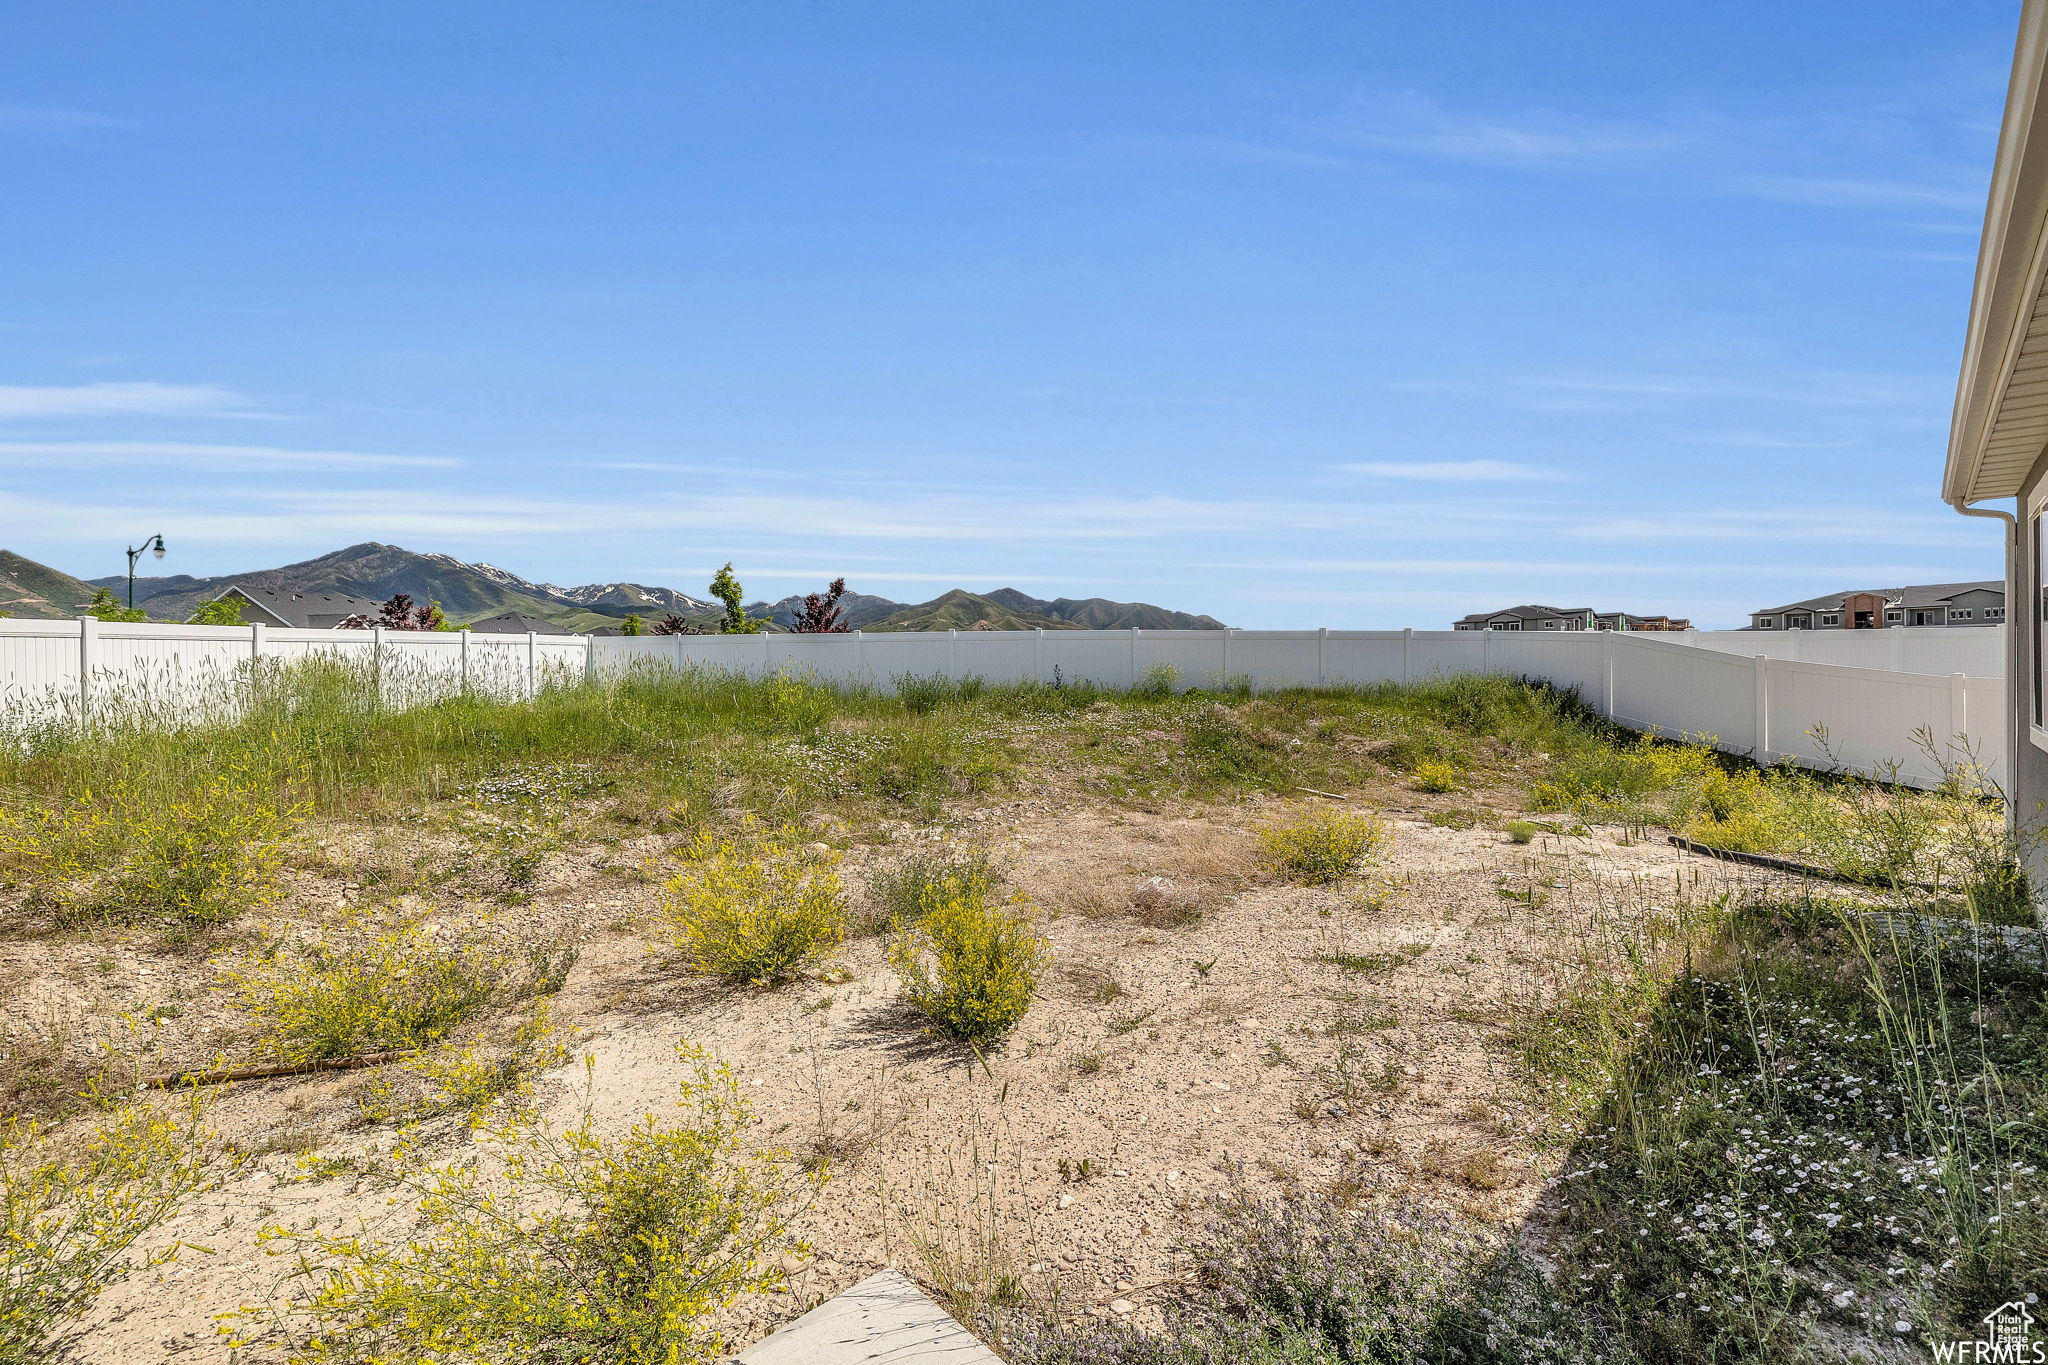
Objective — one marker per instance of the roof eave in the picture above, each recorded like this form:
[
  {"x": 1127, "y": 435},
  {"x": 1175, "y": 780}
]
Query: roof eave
[{"x": 2009, "y": 270}]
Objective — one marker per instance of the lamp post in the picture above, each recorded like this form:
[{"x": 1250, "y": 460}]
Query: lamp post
[{"x": 154, "y": 544}]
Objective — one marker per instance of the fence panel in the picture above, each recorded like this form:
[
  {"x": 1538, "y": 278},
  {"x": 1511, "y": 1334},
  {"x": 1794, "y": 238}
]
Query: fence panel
[
  {"x": 1664, "y": 683},
  {"x": 1976, "y": 651}
]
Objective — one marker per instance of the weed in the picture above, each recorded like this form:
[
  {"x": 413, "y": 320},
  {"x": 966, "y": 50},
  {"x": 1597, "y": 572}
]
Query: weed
[
  {"x": 1087, "y": 1063},
  {"x": 755, "y": 909},
  {"x": 1521, "y": 831},
  {"x": 571, "y": 1246},
  {"x": 72, "y": 1213},
  {"x": 361, "y": 988},
  {"x": 1324, "y": 847},
  {"x": 970, "y": 965},
  {"x": 900, "y": 890},
  {"x": 194, "y": 859},
  {"x": 1435, "y": 775}
]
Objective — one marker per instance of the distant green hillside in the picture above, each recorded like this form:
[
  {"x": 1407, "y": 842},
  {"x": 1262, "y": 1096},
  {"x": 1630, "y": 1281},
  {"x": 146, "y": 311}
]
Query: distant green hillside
[
  {"x": 963, "y": 610},
  {"x": 37, "y": 590}
]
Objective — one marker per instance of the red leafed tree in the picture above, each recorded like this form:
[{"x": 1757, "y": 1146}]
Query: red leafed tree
[
  {"x": 400, "y": 614},
  {"x": 821, "y": 613},
  {"x": 673, "y": 624}
]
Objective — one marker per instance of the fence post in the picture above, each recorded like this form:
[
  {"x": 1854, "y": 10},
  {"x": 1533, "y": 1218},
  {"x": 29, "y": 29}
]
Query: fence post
[
  {"x": 952, "y": 653},
  {"x": 464, "y": 651},
  {"x": 589, "y": 657},
  {"x": 1322, "y": 655},
  {"x": 860, "y": 655},
  {"x": 765, "y": 654},
  {"x": 1898, "y": 634},
  {"x": 532, "y": 664},
  {"x": 1958, "y": 708},
  {"x": 1760, "y": 721},
  {"x": 1792, "y": 646},
  {"x": 1407, "y": 655},
  {"x": 1134, "y": 656},
  {"x": 88, "y": 659},
  {"x": 255, "y": 641},
  {"x": 1038, "y": 653},
  {"x": 1607, "y": 648},
  {"x": 377, "y": 662},
  {"x": 1485, "y": 651},
  {"x": 1228, "y": 631}
]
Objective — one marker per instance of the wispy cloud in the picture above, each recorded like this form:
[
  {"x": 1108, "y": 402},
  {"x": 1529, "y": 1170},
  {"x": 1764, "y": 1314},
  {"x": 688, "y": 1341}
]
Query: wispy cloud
[
  {"x": 116, "y": 399},
  {"x": 1453, "y": 471},
  {"x": 1852, "y": 192},
  {"x": 49, "y": 121},
  {"x": 196, "y": 456},
  {"x": 1527, "y": 140}
]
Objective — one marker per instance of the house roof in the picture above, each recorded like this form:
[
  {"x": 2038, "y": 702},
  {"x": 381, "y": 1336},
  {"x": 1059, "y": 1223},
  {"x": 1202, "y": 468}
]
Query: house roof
[
  {"x": 1918, "y": 595},
  {"x": 2001, "y": 419},
  {"x": 1530, "y": 612},
  {"x": 518, "y": 623},
  {"x": 305, "y": 610}
]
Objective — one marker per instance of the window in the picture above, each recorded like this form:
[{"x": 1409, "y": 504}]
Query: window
[
  {"x": 1994, "y": 613},
  {"x": 1895, "y": 616},
  {"x": 1550, "y": 625},
  {"x": 1766, "y": 623},
  {"x": 2040, "y": 612},
  {"x": 1959, "y": 613},
  {"x": 1831, "y": 620}
]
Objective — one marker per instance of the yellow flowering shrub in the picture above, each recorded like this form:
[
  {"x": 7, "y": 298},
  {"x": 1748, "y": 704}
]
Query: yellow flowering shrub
[
  {"x": 968, "y": 964},
  {"x": 122, "y": 852},
  {"x": 72, "y": 1211},
  {"x": 1435, "y": 775},
  {"x": 565, "y": 1246},
  {"x": 754, "y": 909},
  {"x": 365, "y": 988},
  {"x": 1325, "y": 846},
  {"x": 469, "y": 1079}
]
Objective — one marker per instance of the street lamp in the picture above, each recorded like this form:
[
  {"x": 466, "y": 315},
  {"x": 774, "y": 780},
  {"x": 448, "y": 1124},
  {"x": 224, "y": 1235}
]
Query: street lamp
[{"x": 154, "y": 544}]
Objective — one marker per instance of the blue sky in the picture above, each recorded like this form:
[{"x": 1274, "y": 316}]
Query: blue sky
[{"x": 1357, "y": 315}]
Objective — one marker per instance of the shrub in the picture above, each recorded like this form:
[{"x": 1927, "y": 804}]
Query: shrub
[
  {"x": 902, "y": 889},
  {"x": 1521, "y": 831},
  {"x": 970, "y": 965},
  {"x": 69, "y": 1220},
  {"x": 755, "y": 909},
  {"x": 364, "y": 989},
  {"x": 469, "y": 1079},
  {"x": 1435, "y": 775},
  {"x": 1325, "y": 847},
  {"x": 192, "y": 859},
  {"x": 572, "y": 1247},
  {"x": 1337, "y": 1279}
]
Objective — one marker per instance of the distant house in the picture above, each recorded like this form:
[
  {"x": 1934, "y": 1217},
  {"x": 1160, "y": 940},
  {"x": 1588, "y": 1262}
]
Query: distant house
[
  {"x": 1565, "y": 618},
  {"x": 1925, "y": 604},
  {"x": 518, "y": 623},
  {"x": 299, "y": 610}
]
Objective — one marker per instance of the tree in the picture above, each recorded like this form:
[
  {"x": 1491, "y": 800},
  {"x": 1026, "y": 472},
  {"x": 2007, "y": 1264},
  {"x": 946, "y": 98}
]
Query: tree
[
  {"x": 673, "y": 624},
  {"x": 821, "y": 614},
  {"x": 399, "y": 613},
  {"x": 220, "y": 611},
  {"x": 727, "y": 589},
  {"x": 632, "y": 625},
  {"x": 105, "y": 608}
]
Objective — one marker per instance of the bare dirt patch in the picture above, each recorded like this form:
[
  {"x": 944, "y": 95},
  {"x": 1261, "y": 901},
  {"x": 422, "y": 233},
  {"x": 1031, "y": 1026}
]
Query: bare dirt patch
[{"x": 1203, "y": 1023}]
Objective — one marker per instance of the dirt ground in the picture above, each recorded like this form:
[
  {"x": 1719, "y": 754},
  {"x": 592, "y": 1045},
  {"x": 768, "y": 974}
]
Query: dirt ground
[{"x": 1209, "y": 1022}]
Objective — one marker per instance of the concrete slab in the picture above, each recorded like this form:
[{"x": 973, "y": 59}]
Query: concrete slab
[{"x": 883, "y": 1320}]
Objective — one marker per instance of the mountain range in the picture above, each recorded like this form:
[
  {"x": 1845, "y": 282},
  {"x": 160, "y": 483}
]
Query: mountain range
[{"x": 472, "y": 592}]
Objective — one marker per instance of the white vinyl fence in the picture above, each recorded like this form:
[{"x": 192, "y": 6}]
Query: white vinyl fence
[
  {"x": 1975, "y": 651},
  {"x": 1770, "y": 708}
]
